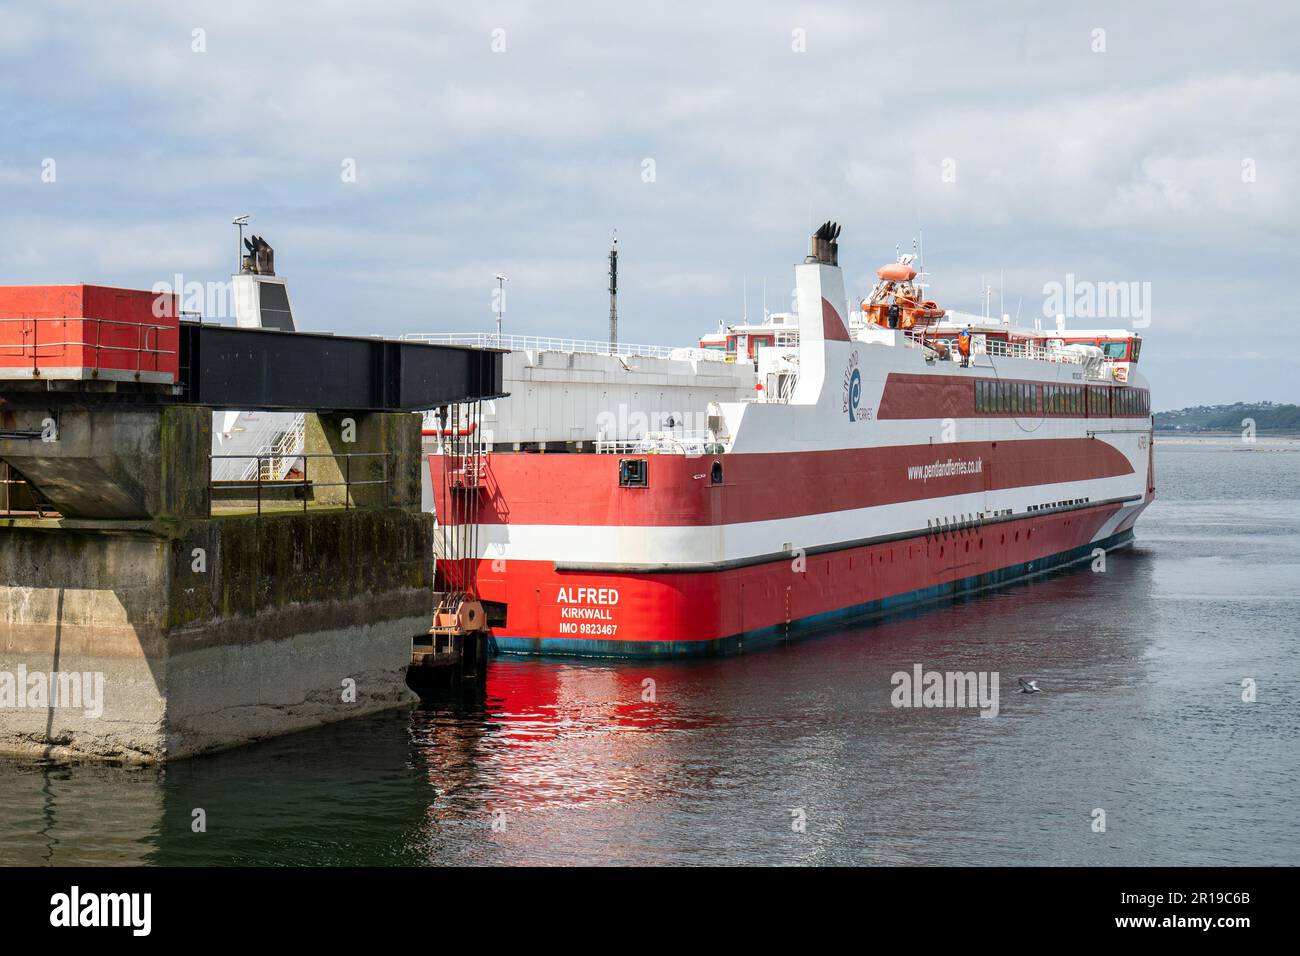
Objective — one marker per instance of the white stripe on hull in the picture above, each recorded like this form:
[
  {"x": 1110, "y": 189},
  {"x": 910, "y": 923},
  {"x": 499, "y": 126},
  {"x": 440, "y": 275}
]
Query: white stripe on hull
[{"x": 600, "y": 544}]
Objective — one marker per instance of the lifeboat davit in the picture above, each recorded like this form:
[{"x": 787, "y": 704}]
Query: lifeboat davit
[{"x": 896, "y": 272}]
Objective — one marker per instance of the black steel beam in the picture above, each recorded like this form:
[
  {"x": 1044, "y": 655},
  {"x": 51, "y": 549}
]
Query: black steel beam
[{"x": 267, "y": 370}]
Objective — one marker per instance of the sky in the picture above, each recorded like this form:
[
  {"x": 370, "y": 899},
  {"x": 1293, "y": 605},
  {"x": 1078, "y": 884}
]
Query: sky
[{"x": 398, "y": 155}]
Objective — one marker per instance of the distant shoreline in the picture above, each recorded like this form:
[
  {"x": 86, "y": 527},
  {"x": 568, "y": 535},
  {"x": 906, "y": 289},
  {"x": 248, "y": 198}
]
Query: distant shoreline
[{"x": 1171, "y": 437}]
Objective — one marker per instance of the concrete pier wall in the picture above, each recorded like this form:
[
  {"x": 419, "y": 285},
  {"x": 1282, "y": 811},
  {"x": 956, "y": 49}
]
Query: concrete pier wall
[
  {"x": 204, "y": 632},
  {"x": 226, "y": 631},
  {"x": 115, "y": 462}
]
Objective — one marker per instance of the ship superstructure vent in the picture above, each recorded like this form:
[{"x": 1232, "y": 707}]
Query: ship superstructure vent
[{"x": 825, "y": 244}]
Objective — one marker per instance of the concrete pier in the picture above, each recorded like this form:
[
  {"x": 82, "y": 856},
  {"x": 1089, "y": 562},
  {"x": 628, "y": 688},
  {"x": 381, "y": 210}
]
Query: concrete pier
[{"x": 188, "y": 631}]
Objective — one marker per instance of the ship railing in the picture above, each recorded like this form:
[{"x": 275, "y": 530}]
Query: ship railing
[
  {"x": 282, "y": 452},
  {"x": 1023, "y": 350},
  {"x": 527, "y": 343},
  {"x": 661, "y": 443},
  {"x": 1029, "y": 350},
  {"x": 278, "y": 443}
]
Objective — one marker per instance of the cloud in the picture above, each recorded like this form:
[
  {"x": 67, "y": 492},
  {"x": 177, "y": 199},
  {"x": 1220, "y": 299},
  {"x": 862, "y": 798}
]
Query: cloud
[{"x": 1122, "y": 165}]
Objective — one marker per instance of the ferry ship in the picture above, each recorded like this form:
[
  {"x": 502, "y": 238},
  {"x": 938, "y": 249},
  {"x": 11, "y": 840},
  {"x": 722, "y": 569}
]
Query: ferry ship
[{"x": 821, "y": 466}]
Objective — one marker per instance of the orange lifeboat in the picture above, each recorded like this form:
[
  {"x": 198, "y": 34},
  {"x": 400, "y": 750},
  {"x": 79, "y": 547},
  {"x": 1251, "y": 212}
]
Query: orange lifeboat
[{"x": 896, "y": 272}]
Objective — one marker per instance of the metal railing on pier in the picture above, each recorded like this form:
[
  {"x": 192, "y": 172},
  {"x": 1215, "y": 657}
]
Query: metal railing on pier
[
  {"x": 19, "y": 499},
  {"x": 25, "y": 341},
  {"x": 265, "y": 492}
]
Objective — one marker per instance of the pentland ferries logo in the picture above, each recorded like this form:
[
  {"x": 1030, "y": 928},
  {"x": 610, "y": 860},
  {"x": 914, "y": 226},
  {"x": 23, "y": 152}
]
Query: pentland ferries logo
[{"x": 853, "y": 406}]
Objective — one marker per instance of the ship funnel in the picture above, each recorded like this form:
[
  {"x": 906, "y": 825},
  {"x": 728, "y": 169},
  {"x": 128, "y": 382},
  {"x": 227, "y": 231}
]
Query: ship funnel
[
  {"x": 823, "y": 313},
  {"x": 260, "y": 259},
  {"x": 261, "y": 297},
  {"x": 825, "y": 244}
]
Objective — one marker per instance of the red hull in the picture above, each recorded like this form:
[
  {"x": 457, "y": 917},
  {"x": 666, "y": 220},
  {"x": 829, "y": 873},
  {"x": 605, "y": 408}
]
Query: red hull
[{"x": 610, "y": 613}]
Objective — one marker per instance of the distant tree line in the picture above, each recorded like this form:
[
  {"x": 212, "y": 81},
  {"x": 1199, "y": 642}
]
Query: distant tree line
[{"x": 1268, "y": 416}]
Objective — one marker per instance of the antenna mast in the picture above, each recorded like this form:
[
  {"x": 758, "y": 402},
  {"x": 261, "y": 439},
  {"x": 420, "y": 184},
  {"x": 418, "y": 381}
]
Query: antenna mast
[
  {"x": 241, "y": 222},
  {"x": 613, "y": 295}
]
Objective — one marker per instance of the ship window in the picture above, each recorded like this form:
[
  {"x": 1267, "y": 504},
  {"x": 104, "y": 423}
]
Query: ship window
[
  {"x": 1137, "y": 347},
  {"x": 716, "y": 473},
  {"x": 633, "y": 473},
  {"x": 1115, "y": 350}
]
